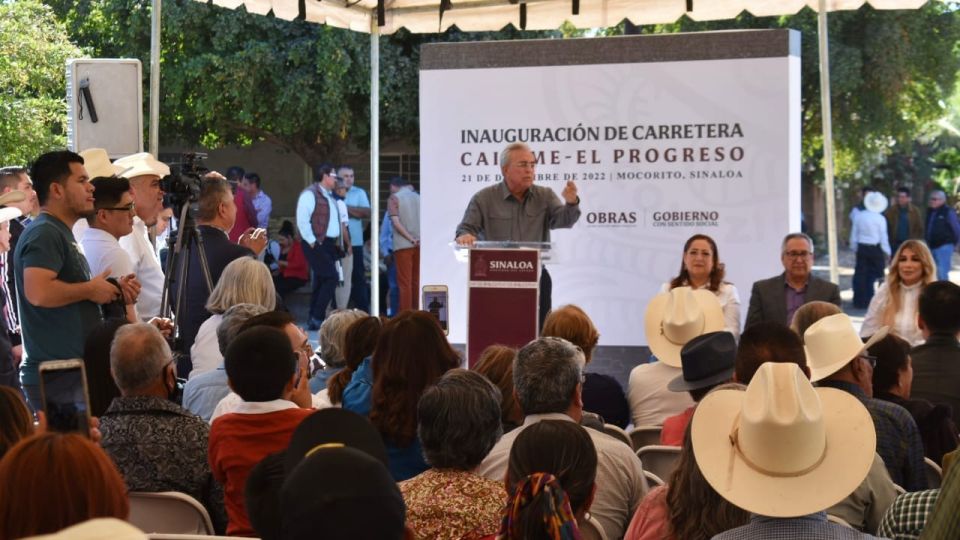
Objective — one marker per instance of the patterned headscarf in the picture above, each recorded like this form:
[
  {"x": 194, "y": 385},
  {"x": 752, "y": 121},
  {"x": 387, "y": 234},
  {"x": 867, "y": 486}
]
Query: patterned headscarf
[{"x": 558, "y": 520}]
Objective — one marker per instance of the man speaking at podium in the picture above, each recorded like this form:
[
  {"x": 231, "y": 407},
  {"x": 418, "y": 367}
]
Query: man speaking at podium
[{"x": 518, "y": 211}]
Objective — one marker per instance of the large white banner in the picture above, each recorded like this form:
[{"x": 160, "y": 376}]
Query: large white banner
[{"x": 659, "y": 151}]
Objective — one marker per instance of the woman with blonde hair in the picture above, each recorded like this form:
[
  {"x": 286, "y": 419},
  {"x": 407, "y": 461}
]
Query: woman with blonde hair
[
  {"x": 244, "y": 281},
  {"x": 701, "y": 268},
  {"x": 602, "y": 394},
  {"x": 895, "y": 304}
]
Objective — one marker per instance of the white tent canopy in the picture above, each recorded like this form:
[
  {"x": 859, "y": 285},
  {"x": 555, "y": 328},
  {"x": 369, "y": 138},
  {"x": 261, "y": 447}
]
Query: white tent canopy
[{"x": 423, "y": 16}]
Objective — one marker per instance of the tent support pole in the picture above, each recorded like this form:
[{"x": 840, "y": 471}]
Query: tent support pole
[
  {"x": 154, "y": 141},
  {"x": 825, "y": 112},
  {"x": 374, "y": 167}
]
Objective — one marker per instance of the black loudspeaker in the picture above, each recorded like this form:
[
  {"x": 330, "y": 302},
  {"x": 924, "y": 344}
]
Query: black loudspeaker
[{"x": 105, "y": 105}]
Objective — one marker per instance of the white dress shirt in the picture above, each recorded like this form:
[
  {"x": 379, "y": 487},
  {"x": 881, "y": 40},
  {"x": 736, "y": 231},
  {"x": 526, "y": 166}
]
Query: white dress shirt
[
  {"x": 869, "y": 228},
  {"x": 730, "y": 302},
  {"x": 904, "y": 321},
  {"x": 650, "y": 401},
  {"x": 146, "y": 265},
  {"x": 233, "y": 403},
  {"x": 620, "y": 481},
  {"x": 104, "y": 252}
]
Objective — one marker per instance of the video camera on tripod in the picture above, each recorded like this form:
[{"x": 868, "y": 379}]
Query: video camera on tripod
[{"x": 183, "y": 186}]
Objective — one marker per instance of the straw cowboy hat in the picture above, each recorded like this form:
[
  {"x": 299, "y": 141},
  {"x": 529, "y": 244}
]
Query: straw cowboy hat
[
  {"x": 706, "y": 360},
  {"x": 142, "y": 164},
  {"x": 832, "y": 342},
  {"x": 783, "y": 448},
  {"x": 675, "y": 317},
  {"x": 97, "y": 163},
  {"x": 875, "y": 202}
]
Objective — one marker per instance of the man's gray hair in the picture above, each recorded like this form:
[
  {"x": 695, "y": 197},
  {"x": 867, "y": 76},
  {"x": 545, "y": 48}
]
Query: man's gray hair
[
  {"x": 459, "y": 420},
  {"x": 332, "y": 332},
  {"x": 233, "y": 319},
  {"x": 792, "y": 236},
  {"x": 938, "y": 194},
  {"x": 138, "y": 355},
  {"x": 505, "y": 153},
  {"x": 546, "y": 372}
]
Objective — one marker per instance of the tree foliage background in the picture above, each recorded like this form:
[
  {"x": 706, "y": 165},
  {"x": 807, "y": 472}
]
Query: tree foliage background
[
  {"x": 34, "y": 48},
  {"x": 232, "y": 77}
]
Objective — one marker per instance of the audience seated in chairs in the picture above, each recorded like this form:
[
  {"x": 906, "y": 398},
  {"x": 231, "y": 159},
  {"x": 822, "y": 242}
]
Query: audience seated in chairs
[
  {"x": 341, "y": 493},
  {"x": 496, "y": 364},
  {"x": 707, "y": 362},
  {"x": 551, "y": 480},
  {"x": 245, "y": 280},
  {"x": 547, "y": 378},
  {"x": 156, "y": 444},
  {"x": 892, "y": 381},
  {"x": 51, "y": 481},
  {"x": 772, "y": 342},
  {"x": 262, "y": 370},
  {"x": 331, "y": 338},
  {"x": 324, "y": 428},
  {"x": 687, "y": 508},
  {"x": 352, "y": 385},
  {"x": 784, "y": 456},
  {"x": 458, "y": 424},
  {"x": 837, "y": 359},
  {"x": 283, "y": 321},
  {"x": 602, "y": 394},
  {"x": 672, "y": 319},
  {"x": 412, "y": 353},
  {"x": 203, "y": 393}
]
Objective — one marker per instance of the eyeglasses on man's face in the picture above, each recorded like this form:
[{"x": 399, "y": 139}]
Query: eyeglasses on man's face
[{"x": 797, "y": 254}]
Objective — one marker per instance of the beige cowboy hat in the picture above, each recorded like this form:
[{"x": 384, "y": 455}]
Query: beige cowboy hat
[
  {"x": 97, "y": 163},
  {"x": 783, "y": 448},
  {"x": 832, "y": 342},
  {"x": 675, "y": 317},
  {"x": 141, "y": 164},
  {"x": 12, "y": 196}
]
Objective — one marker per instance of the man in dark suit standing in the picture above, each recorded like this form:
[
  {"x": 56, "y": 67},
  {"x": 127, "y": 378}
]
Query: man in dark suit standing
[
  {"x": 777, "y": 298},
  {"x": 216, "y": 214}
]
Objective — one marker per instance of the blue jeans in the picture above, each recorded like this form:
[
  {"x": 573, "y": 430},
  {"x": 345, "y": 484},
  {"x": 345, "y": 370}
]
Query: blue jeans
[{"x": 943, "y": 256}]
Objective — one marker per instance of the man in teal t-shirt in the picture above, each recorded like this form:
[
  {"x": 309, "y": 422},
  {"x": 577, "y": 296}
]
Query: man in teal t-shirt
[{"x": 59, "y": 300}]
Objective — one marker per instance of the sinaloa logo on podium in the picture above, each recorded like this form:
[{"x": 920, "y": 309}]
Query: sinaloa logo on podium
[{"x": 512, "y": 266}]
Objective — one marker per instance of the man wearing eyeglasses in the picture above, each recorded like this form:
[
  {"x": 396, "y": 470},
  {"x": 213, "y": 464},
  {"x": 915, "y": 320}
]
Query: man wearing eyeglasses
[
  {"x": 518, "y": 211},
  {"x": 112, "y": 219},
  {"x": 776, "y": 299}
]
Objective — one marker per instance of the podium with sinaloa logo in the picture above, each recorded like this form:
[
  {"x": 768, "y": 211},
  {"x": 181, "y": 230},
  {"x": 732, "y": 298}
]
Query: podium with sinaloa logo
[{"x": 503, "y": 295}]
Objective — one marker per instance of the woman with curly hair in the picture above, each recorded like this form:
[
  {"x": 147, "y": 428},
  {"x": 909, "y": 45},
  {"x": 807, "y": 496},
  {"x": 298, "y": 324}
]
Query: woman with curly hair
[{"x": 895, "y": 304}]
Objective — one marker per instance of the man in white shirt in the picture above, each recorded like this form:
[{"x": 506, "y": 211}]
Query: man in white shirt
[
  {"x": 548, "y": 383},
  {"x": 111, "y": 220},
  {"x": 319, "y": 222},
  {"x": 144, "y": 173},
  {"x": 869, "y": 239}
]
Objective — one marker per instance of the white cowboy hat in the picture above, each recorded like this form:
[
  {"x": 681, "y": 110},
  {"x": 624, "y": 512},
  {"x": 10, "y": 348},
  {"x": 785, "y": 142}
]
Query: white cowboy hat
[
  {"x": 141, "y": 164},
  {"x": 8, "y": 212},
  {"x": 783, "y": 448},
  {"x": 875, "y": 202},
  {"x": 673, "y": 318},
  {"x": 97, "y": 163},
  {"x": 832, "y": 342}
]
